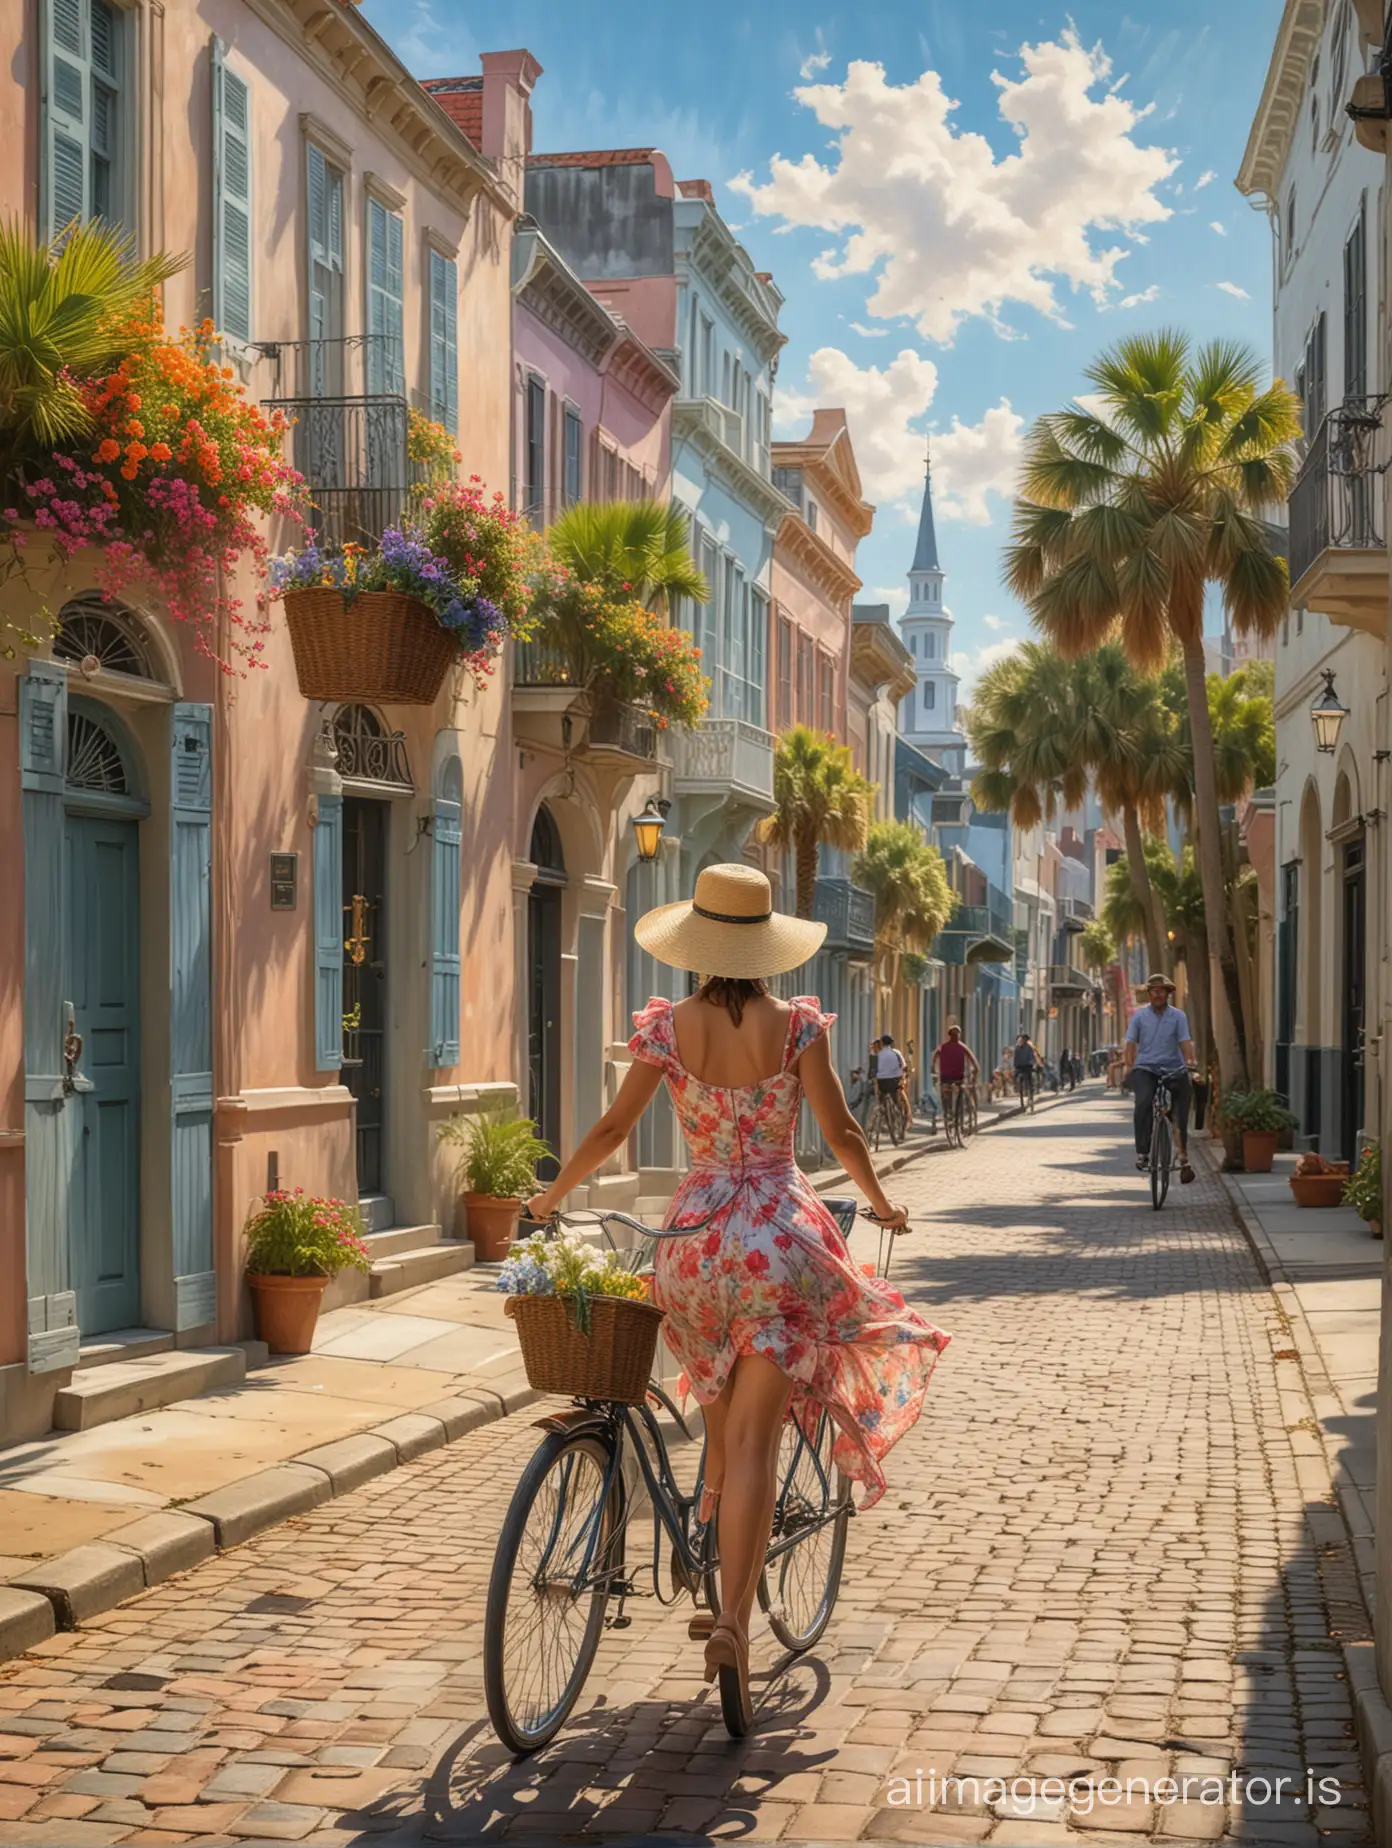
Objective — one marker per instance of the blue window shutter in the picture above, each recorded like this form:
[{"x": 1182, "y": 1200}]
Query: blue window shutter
[
  {"x": 232, "y": 245},
  {"x": 328, "y": 935},
  {"x": 386, "y": 360},
  {"x": 446, "y": 837},
  {"x": 67, "y": 106},
  {"x": 444, "y": 342},
  {"x": 43, "y": 750},
  {"x": 191, "y": 1014}
]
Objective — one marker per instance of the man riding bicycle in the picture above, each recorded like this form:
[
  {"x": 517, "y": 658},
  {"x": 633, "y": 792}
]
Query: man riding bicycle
[
  {"x": 950, "y": 1063},
  {"x": 1027, "y": 1058},
  {"x": 889, "y": 1075},
  {"x": 1158, "y": 1043}
]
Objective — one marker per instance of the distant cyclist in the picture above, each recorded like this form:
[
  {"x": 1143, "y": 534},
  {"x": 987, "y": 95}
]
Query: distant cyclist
[
  {"x": 951, "y": 1061},
  {"x": 1158, "y": 1042},
  {"x": 1028, "y": 1060},
  {"x": 889, "y": 1073}
]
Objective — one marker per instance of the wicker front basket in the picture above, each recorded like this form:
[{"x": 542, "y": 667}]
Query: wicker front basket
[
  {"x": 382, "y": 646},
  {"x": 613, "y": 1361}
]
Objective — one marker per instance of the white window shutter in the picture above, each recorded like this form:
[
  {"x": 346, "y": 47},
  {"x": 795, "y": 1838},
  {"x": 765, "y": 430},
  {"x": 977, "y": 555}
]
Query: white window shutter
[
  {"x": 67, "y": 116},
  {"x": 232, "y": 255}
]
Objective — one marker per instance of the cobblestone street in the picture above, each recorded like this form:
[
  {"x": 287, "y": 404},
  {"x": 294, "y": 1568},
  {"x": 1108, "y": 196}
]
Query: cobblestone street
[{"x": 1101, "y": 1554}]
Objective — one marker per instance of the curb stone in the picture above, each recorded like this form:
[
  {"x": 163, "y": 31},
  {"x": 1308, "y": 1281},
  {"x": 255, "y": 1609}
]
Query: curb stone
[
  {"x": 68, "y": 1589},
  {"x": 1373, "y": 1715}
]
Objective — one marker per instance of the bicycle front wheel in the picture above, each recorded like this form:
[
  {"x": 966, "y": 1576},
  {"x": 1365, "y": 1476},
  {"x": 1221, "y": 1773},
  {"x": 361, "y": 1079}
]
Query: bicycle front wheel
[
  {"x": 952, "y": 1128},
  {"x": 557, "y": 1556},
  {"x": 799, "y": 1584},
  {"x": 898, "y": 1119},
  {"x": 1159, "y": 1162},
  {"x": 966, "y": 1126}
]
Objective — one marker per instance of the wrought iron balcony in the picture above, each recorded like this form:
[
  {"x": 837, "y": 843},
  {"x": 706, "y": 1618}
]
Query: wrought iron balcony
[
  {"x": 1067, "y": 983},
  {"x": 1074, "y": 914},
  {"x": 848, "y": 911},
  {"x": 1338, "y": 547},
  {"x": 725, "y": 757},
  {"x": 542, "y": 664},
  {"x": 619, "y": 731},
  {"x": 347, "y": 406},
  {"x": 976, "y": 934}
]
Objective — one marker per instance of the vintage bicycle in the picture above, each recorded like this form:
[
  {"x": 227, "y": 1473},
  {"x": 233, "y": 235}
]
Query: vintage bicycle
[
  {"x": 1164, "y": 1137},
  {"x": 563, "y": 1554},
  {"x": 959, "y": 1113},
  {"x": 889, "y": 1117}
]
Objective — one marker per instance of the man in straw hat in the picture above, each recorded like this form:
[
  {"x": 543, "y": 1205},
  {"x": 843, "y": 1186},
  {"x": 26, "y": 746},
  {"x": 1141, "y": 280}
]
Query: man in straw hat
[
  {"x": 763, "y": 1305},
  {"x": 1158, "y": 1042}
]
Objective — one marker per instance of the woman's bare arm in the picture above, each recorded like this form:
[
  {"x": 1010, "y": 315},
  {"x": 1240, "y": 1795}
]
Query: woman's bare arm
[
  {"x": 635, "y": 1094},
  {"x": 823, "y": 1091}
]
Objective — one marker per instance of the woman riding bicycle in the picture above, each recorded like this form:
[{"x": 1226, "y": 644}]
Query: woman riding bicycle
[{"x": 765, "y": 1308}]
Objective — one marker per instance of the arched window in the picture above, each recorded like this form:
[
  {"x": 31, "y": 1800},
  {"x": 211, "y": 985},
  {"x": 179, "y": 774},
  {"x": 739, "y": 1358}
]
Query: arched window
[
  {"x": 95, "y": 761},
  {"x": 546, "y": 852},
  {"x": 96, "y": 635},
  {"x": 368, "y": 750}
]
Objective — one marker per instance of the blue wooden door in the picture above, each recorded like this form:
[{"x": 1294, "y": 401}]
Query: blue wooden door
[{"x": 102, "y": 983}]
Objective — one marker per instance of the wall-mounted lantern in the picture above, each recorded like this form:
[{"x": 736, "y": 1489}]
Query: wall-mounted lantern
[
  {"x": 1327, "y": 716},
  {"x": 647, "y": 828}
]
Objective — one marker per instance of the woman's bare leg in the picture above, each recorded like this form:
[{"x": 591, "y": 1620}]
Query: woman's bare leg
[
  {"x": 716, "y": 1415},
  {"x": 753, "y": 1424}
]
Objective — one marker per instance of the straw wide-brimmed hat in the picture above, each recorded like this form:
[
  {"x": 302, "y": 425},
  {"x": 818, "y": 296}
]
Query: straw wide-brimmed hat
[
  {"x": 729, "y": 928},
  {"x": 1151, "y": 981}
]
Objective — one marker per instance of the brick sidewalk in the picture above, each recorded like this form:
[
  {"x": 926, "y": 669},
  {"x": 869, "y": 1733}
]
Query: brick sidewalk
[{"x": 1096, "y": 1557}]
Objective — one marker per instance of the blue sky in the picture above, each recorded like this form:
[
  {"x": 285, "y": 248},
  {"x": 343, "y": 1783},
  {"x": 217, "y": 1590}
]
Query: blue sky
[{"x": 1014, "y": 189}]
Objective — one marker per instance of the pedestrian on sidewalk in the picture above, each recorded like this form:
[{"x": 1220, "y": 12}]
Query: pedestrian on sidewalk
[
  {"x": 1067, "y": 1075},
  {"x": 1158, "y": 1042},
  {"x": 765, "y": 1309}
]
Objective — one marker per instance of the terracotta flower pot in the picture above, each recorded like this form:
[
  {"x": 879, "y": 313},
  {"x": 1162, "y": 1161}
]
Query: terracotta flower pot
[
  {"x": 287, "y": 1309},
  {"x": 492, "y": 1225},
  {"x": 1259, "y": 1150},
  {"x": 1318, "y": 1189}
]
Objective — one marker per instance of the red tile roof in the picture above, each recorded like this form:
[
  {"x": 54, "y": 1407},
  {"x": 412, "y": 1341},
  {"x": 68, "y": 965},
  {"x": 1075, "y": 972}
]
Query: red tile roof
[
  {"x": 596, "y": 157},
  {"x": 461, "y": 98},
  {"x": 696, "y": 189}
]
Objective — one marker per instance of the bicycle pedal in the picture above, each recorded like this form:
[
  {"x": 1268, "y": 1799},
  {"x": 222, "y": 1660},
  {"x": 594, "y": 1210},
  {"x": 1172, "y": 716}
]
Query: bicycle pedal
[{"x": 618, "y": 1623}]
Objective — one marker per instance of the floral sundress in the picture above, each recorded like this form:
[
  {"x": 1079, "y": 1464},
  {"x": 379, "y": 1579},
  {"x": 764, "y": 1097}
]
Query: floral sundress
[{"x": 766, "y": 1270}]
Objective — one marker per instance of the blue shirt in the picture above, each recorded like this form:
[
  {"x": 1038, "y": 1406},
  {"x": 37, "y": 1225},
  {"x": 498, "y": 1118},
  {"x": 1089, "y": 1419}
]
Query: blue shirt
[{"x": 1158, "y": 1037}]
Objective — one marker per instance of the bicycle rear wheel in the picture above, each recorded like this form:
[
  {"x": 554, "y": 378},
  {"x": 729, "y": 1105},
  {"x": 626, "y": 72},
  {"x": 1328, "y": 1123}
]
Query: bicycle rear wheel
[
  {"x": 557, "y": 1556},
  {"x": 898, "y": 1120},
  {"x": 950, "y": 1129},
  {"x": 798, "y": 1589},
  {"x": 1160, "y": 1153},
  {"x": 966, "y": 1128}
]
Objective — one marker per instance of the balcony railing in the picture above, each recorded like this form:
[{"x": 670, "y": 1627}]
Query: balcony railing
[
  {"x": 347, "y": 406},
  {"x": 724, "y": 757},
  {"x": 848, "y": 911},
  {"x": 620, "y": 730},
  {"x": 1068, "y": 983},
  {"x": 1074, "y": 914},
  {"x": 1337, "y": 501},
  {"x": 542, "y": 664}
]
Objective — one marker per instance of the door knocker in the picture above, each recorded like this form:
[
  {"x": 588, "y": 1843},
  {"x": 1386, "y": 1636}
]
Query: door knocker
[
  {"x": 72, "y": 1051},
  {"x": 357, "y": 942}
]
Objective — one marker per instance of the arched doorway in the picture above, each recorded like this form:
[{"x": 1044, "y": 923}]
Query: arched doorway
[
  {"x": 544, "y": 983},
  {"x": 102, "y": 805}
]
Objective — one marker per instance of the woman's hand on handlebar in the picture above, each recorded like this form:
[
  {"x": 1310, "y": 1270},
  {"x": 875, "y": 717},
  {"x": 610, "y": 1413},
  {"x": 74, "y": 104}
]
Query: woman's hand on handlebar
[
  {"x": 896, "y": 1220},
  {"x": 538, "y": 1207}
]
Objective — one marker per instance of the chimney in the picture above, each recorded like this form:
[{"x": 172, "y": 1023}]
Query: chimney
[{"x": 508, "y": 81}]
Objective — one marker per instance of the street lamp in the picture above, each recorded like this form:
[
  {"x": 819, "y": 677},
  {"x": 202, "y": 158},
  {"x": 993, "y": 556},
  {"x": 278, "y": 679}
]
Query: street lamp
[
  {"x": 1327, "y": 716},
  {"x": 647, "y": 829}
]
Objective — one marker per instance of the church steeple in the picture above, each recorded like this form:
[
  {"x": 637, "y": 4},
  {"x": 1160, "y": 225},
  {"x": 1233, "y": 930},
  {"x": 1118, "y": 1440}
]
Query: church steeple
[{"x": 926, "y": 551}]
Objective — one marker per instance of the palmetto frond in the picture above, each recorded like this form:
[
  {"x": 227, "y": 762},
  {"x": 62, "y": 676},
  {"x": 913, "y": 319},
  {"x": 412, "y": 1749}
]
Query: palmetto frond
[
  {"x": 820, "y": 799},
  {"x": 643, "y": 544},
  {"x": 909, "y": 882}
]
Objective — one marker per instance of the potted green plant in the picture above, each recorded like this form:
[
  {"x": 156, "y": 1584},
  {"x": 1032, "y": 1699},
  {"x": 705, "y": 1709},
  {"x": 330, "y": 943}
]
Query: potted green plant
[
  {"x": 1363, "y": 1189},
  {"x": 498, "y": 1156},
  {"x": 1259, "y": 1116},
  {"x": 295, "y": 1242}
]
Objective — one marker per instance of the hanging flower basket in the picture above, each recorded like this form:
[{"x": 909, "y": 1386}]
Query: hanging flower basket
[{"x": 382, "y": 646}]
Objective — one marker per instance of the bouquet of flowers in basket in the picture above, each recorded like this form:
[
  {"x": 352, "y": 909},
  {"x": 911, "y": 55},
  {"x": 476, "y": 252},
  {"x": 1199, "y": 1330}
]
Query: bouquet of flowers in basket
[{"x": 568, "y": 1265}]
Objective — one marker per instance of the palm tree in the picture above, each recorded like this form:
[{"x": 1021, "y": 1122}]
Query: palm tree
[
  {"x": 65, "y": 315},
  {"x": 640, "y": 546},
  {"x": 1130, "y": 510},
  {"x": 821, "y": 800},
  {"x": 1097, "y": 946},
  {"x": 1044, "y": 728},
  {"x": 913, "y": 899}
]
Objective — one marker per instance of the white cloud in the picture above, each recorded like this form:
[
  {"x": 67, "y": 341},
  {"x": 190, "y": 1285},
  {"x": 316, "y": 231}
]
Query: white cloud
[
  {"x": 881, "y": 403},
  {"x": 1233, "y": 289},
  {"x": 1139, "y": 299},
  {"x": 884, "y": 406},
  {"x": 1206, "y": 178},
  {"x": 1215, "y": 225},
  {"x": 870, "y": 333},
  {"x": 970, "y": 665},
  {"x": 897, "y": 599},
  {"x": 945, "y": 229},
  {"x": 972, "y": 461},
  {"x": 815, "y": 60},
  {"x": 994, "y": 622}
]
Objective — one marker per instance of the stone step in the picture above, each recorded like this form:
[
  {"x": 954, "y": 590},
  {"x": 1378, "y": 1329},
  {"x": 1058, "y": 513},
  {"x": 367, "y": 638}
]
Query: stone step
[
  {"x": 404, "y": 1270},
  {"x": 98, "y": 1395},
  {"x": 401, "y": 1238},
  {"x": 351, "y": 1286},
  {"x": 123, "y": 1344}
]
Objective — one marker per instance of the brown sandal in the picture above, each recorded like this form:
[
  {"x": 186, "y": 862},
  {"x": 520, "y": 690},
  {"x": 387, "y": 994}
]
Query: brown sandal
[{"x": 727, "y": 1661}]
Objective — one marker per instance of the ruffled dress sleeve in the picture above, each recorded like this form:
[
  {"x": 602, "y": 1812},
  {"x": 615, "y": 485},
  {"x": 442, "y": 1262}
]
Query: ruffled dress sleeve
[
  {"x": 808, "y": 1023},
  {"x": 654, "y": 1040}
]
